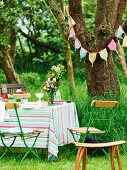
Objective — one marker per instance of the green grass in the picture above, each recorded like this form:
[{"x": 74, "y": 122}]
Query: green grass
[{"x": 99, "y": 163}]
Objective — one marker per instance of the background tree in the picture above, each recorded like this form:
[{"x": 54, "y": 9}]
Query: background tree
[{"x": 7, "y": 41}]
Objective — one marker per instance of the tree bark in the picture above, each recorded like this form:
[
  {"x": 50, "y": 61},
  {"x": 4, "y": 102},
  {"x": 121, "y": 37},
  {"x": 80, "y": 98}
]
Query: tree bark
[
  {"x": 7, "y": 66},
  {"x": 102, "y": 79},
  {"x": 70, "y": 71}
]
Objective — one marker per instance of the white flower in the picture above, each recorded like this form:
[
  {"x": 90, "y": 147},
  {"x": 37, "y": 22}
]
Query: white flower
[{"x": 54, "y": 79}]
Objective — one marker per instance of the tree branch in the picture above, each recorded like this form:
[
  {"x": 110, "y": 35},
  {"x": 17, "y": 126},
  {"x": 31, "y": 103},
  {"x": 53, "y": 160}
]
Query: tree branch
[
  {"x": 57, "y": 12},
  {"x": 39, "y": 43},
  {"x": 75, "y": 10}
]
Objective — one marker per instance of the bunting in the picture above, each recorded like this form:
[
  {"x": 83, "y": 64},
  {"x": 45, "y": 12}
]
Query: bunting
[
  {"x": 119, "y": 34},
  {"x": 92, "y": 57},
  {"x": 124, "y": 44},
  {"x": 77, "y": 43},
  {"x": 103, "y": 54},
  {"x": 112, "y": 45},
  {"x": 83, "y": 52}
]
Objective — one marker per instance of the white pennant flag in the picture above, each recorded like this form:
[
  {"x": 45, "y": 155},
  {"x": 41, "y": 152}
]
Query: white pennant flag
[
  {"x": 71, "y": 22},
  {"x": 124, "y": 42},
  {"x": 104, "y": 54},
  {"x": 77, "y": 43},
  {"x": 92, "y": 57}
]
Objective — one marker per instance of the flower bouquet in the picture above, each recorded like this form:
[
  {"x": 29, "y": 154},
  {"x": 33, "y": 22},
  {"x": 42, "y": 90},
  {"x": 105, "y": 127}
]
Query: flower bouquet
[{"x": 53, "y": 82}]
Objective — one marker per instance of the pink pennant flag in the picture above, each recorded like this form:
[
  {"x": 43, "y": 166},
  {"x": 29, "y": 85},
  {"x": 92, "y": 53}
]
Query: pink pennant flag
[
  {"x": 72, "y": 33},
  {"x": 112, "y": 45},
  {"x": 92, "y": 57},
  {"x": 77, "y": 43},
  {"x": 124, "y": 42},
  {"x": 104, "y": 54}
]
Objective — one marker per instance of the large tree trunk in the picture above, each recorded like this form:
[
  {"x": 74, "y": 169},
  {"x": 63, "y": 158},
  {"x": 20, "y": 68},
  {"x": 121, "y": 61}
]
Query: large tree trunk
[{"x": 102, "y": 79}]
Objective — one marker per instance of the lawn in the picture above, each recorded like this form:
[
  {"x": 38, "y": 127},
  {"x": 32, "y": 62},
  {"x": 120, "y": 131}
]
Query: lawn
[{"x": 62, "y": 164}]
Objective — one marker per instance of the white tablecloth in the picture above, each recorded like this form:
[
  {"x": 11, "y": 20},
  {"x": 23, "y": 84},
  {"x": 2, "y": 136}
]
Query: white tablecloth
[{"x": 3, "y": 113}]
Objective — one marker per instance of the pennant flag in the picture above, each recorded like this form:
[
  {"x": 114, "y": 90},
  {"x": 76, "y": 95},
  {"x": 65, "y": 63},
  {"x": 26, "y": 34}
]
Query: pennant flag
[
  {"x": 77, "y": 43},
  {"x": 71, "y": 22},
  {"x": 104, "y": 54},
  {"x": 119, "y": 32},
  {"x": 112, "y": 45},
  {"x": 92, "y": 57},
  {"x": 124, "y": 42},
  {"x": 83, "y": 53},
  {"x": 72, "y": 33}
]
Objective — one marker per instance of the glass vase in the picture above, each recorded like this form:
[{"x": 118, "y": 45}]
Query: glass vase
[{"x": 51, "y": 99}]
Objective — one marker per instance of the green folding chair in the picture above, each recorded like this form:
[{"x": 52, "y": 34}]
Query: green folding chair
[
  {"x": 90, "y": 129},
  {"x": 23, "y": 133}
]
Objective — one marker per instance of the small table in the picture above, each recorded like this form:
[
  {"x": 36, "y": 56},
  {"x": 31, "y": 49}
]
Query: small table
[{"x": 54, "y": 120}]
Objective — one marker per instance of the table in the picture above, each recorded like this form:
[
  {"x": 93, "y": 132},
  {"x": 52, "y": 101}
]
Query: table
[{"x": 54, "y": 120}]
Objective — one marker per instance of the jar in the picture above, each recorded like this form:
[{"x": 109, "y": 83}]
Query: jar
[{"x": 4, "y": 94}]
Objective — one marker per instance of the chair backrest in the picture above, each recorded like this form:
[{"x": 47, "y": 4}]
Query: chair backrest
[
  {"x": 9, "y": 105},
  {"x": 105, "y": 117},
  {"x": 104, "y": 104},
  {"x": 11, "y": 88}
]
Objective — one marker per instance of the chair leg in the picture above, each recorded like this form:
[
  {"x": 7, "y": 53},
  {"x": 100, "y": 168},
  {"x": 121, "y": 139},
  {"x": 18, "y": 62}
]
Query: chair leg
[
  {"x": 7, "y": 148},
  {"x": 79, "y": 157},
  {"x": 112, "y": 153},
  {"x": 85, "y": 159},
  {"x": 118, "y": 158},
  {"x": 30, "y": 149}
]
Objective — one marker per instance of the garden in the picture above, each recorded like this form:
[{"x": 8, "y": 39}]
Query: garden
[{"x": 65, "y": 46}]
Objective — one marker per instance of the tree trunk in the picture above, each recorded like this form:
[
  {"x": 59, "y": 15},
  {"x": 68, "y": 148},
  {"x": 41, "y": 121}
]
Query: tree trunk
[
  {"x": 7, "y": 67},
  {"x": 70, "y": 71},
  {"x": 102, "y": 79},
  {"x": 57, "y": 11}
]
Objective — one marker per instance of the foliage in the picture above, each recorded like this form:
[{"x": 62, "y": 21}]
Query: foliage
[
  {"x": 2, "y": 77},
  {"x": 31, "y": 79}
]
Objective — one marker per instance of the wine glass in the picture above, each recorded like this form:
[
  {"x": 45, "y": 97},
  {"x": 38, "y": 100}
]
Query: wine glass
[{"x": 39, "y": 96}]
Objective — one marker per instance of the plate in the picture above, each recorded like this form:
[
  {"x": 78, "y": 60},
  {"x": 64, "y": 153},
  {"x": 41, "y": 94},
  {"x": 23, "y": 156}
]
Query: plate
[{"x": 21, "y": 96}]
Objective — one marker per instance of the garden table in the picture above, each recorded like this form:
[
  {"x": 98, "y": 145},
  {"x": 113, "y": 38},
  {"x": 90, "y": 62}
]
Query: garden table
[{"x": 54, "y": 120}]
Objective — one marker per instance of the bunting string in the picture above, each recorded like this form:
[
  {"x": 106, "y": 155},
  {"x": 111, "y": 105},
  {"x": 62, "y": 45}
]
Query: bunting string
[{"x": 119, "y": 34}]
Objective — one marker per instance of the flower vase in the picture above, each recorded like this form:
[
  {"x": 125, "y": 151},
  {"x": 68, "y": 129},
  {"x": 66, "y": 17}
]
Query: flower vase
[{"x": 51, "y": 99}]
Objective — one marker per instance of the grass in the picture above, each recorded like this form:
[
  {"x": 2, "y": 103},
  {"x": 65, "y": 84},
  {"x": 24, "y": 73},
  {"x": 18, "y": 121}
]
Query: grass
[
  {"x": 118, "y": 129},
  {"x": 98, "y": 163}
]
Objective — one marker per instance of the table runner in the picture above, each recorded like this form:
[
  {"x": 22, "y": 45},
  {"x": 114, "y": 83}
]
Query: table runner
[{"x": 54, "y": 120}]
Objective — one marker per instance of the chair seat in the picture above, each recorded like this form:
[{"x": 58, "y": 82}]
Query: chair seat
[
  {"x": 99, "y": 145},
  {"x": 83, "y": 130},
  {"x": 16, "y": 131}
]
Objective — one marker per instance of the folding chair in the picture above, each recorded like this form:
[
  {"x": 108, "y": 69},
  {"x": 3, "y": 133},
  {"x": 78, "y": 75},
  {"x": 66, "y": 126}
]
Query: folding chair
[
  {"x": 108, "y": 109},
  {"x": 85, "y": 131},
  {"x": 23, "y": 133}
]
